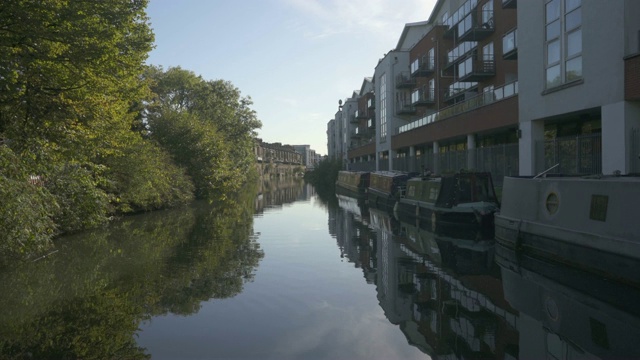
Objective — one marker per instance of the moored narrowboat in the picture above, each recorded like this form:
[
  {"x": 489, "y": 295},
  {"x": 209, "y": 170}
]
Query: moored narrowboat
[
  {"x": 386, "y": 187},
  {"x": 353, "y": 183},
  {"x": 459, "y": 205},
  {"x": 586, "y": 222}
]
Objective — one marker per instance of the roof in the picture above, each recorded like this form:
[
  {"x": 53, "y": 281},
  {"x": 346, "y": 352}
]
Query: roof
[
  {"x": 405, "y": 32},
  {"x": 436, "y": 9}
]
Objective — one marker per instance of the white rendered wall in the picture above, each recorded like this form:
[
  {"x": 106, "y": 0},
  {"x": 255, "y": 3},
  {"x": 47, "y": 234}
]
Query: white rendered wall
[{"x": 617, "y": 121}]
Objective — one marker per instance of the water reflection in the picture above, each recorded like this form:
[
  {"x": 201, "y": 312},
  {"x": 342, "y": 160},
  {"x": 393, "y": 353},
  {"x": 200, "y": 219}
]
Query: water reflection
[
  {"x": 276, "y": 192},
  {"x": 566, "y": 313},
  {"x": 459, "y": 298},
  {"x": 88, "y": 299},
  {"x": 444, "y": 293}
]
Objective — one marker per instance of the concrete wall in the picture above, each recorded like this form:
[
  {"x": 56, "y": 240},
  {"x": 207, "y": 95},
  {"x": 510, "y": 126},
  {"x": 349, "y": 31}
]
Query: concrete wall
[
  {"x": 608, "y": 31},
  {"x": 602, "y": 60}
]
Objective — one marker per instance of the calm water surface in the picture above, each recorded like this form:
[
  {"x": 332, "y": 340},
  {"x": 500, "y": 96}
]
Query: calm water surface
[{"x": 288, "y": 274}]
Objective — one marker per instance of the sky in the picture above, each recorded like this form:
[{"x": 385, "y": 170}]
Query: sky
[{"x": 294, "y": 58}]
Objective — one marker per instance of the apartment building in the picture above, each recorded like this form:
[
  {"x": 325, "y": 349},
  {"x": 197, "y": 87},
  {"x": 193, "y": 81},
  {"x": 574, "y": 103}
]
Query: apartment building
[
  {"x": 443, "y": 91},
  {"x": 362, "y": 152},
  {"x": 579, "y": 70},
  {"x": 507, "y": 87}
]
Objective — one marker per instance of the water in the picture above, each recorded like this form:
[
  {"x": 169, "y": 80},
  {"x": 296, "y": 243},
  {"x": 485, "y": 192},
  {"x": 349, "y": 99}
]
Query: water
[{"x": 287, "y": 274}]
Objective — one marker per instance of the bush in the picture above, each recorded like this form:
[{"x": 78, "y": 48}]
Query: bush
[
  {"x": 81, "y": 204},
  {"x": 26, "y": 210}
]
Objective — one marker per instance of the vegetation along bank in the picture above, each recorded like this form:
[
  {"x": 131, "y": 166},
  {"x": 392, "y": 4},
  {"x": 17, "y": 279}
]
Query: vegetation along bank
[{"x": 89, "y": 131}]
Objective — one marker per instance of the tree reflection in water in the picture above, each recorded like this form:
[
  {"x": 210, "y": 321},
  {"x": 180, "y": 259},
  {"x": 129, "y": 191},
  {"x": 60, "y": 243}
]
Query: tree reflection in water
[{"x": 88, "y": 299}]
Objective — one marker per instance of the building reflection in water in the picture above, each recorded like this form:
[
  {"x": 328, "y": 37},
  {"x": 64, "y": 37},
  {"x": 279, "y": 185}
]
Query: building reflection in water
[
  {"x": 276, "y": 192},
  {"x": 465, "y": 298},
  {"x": 444, "y": 294}
]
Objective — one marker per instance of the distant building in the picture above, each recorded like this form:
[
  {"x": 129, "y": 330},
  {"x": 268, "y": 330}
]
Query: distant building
[{"x": 309, "y": 158}]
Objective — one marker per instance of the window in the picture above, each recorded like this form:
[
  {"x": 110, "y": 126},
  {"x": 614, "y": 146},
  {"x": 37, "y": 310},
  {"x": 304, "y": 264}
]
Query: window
[
  {"x": 383, "y": 106},
  {"x": 563, "y": 42},
  {"x": 414, "y": 66},
  {"x": 431, "y": 95},
  {"x": 487, "y": 14},
  {"x": 431, "y": 59},
  {"x": 415, "y": 96},
  {"x": 487, "y": 52},
  {"x": 509, "y": 42}
]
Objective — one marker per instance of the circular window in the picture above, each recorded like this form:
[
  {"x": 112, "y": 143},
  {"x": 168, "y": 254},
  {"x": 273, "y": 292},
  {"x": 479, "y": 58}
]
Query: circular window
[{"x": 552, "y": 203}]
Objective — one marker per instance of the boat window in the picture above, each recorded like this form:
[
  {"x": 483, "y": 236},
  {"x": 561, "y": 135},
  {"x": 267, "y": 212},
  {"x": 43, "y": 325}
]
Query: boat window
[{"x": 464, "y": 190}]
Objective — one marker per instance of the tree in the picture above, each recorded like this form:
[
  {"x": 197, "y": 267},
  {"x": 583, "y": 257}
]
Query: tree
[{"x": 206, "y": 126}]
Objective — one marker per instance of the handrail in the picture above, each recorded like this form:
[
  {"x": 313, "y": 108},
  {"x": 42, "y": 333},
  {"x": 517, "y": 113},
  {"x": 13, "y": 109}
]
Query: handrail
[{"x": 546, "y": 171}]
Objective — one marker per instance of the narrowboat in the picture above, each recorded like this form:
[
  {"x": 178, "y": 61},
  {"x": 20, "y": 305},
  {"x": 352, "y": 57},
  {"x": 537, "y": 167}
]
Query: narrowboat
[
  {"x": 386, "y": 187},
  {"x": 459, "y": 205},
  {"x": 353, "y": 183},
  {"x": 586, "y": 222}
]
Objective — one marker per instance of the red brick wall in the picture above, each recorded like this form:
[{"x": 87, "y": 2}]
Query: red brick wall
[{"x": 632, "y": 77}]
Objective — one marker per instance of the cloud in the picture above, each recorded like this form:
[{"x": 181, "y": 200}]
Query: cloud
[{"x": 374, "y": 17}]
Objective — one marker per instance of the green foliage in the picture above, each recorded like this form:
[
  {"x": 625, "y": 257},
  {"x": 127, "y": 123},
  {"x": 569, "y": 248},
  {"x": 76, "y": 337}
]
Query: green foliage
[
  {"x": 69, "y": 70},
  {"x": 76, "y": 107},
  {"x": 25, "y": 210},
  {"x": 81, "y": 204},
  {"x": 325, "y": 174},
  {"x": 145, "y": 178},
  {"x": 206, "y": 126}
]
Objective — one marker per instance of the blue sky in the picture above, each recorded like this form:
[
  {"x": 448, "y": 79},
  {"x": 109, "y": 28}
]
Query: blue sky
[{"x": 294, "y": 58}]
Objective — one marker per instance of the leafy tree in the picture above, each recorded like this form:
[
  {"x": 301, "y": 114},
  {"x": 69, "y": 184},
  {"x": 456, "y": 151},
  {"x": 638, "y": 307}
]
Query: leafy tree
[
  {"x": 70, "y": 70},
  {"x": 206, "y": 126}
]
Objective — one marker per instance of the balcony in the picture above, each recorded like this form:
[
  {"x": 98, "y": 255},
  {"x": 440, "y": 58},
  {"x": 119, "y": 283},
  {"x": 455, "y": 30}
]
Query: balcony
[
  {"x": 474, "y": 102},
  {"x": 405, "y": 108},
  {"x": 473, "y": 70},
  {"x": 509, "y": 4},
  {"x": 459, "y": 91},
  {"x": 510, "y": 46},
  {"x": 460, "y": 53},
  {"x": 423, "y": 66},
  {"x": 362, "y": 114},
  {"x": 476, "y": 27},
  {"x": 424, "y": 96},
  {"x": 465, "y": 9},
  {"x": 353, "y": 118},
  {"x": 404, "y": 80}
]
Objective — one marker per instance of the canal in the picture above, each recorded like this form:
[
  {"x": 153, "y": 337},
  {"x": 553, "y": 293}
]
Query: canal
[{"x": 285, "y": 273}]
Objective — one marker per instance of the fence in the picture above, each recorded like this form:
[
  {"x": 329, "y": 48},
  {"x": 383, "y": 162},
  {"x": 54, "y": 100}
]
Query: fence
[
  {"x": 363, "y": 166},
  {"x": 575, "y": 155},
  {"x": 499, "y": 160}
]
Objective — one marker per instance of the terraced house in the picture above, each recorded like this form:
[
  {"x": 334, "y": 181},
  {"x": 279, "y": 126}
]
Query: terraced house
[{"x": 507, "y": 87}]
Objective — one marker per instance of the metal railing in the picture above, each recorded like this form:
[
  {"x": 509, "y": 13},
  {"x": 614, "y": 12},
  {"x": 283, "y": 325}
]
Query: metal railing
[
  {"x": 483, "y": 99},
  {"x": 580, "y": 154},
  {"x": 500, "y": 160}
]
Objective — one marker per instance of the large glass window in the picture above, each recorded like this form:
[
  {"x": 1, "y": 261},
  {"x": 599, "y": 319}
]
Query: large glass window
[
  {"x": 487, "y": 13},
  {"x": 383, "y": 106},
  {"x": 563, "y": 35},
  {"x": 487, "y": 52},
  {"x": 509, "y": 42}
]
